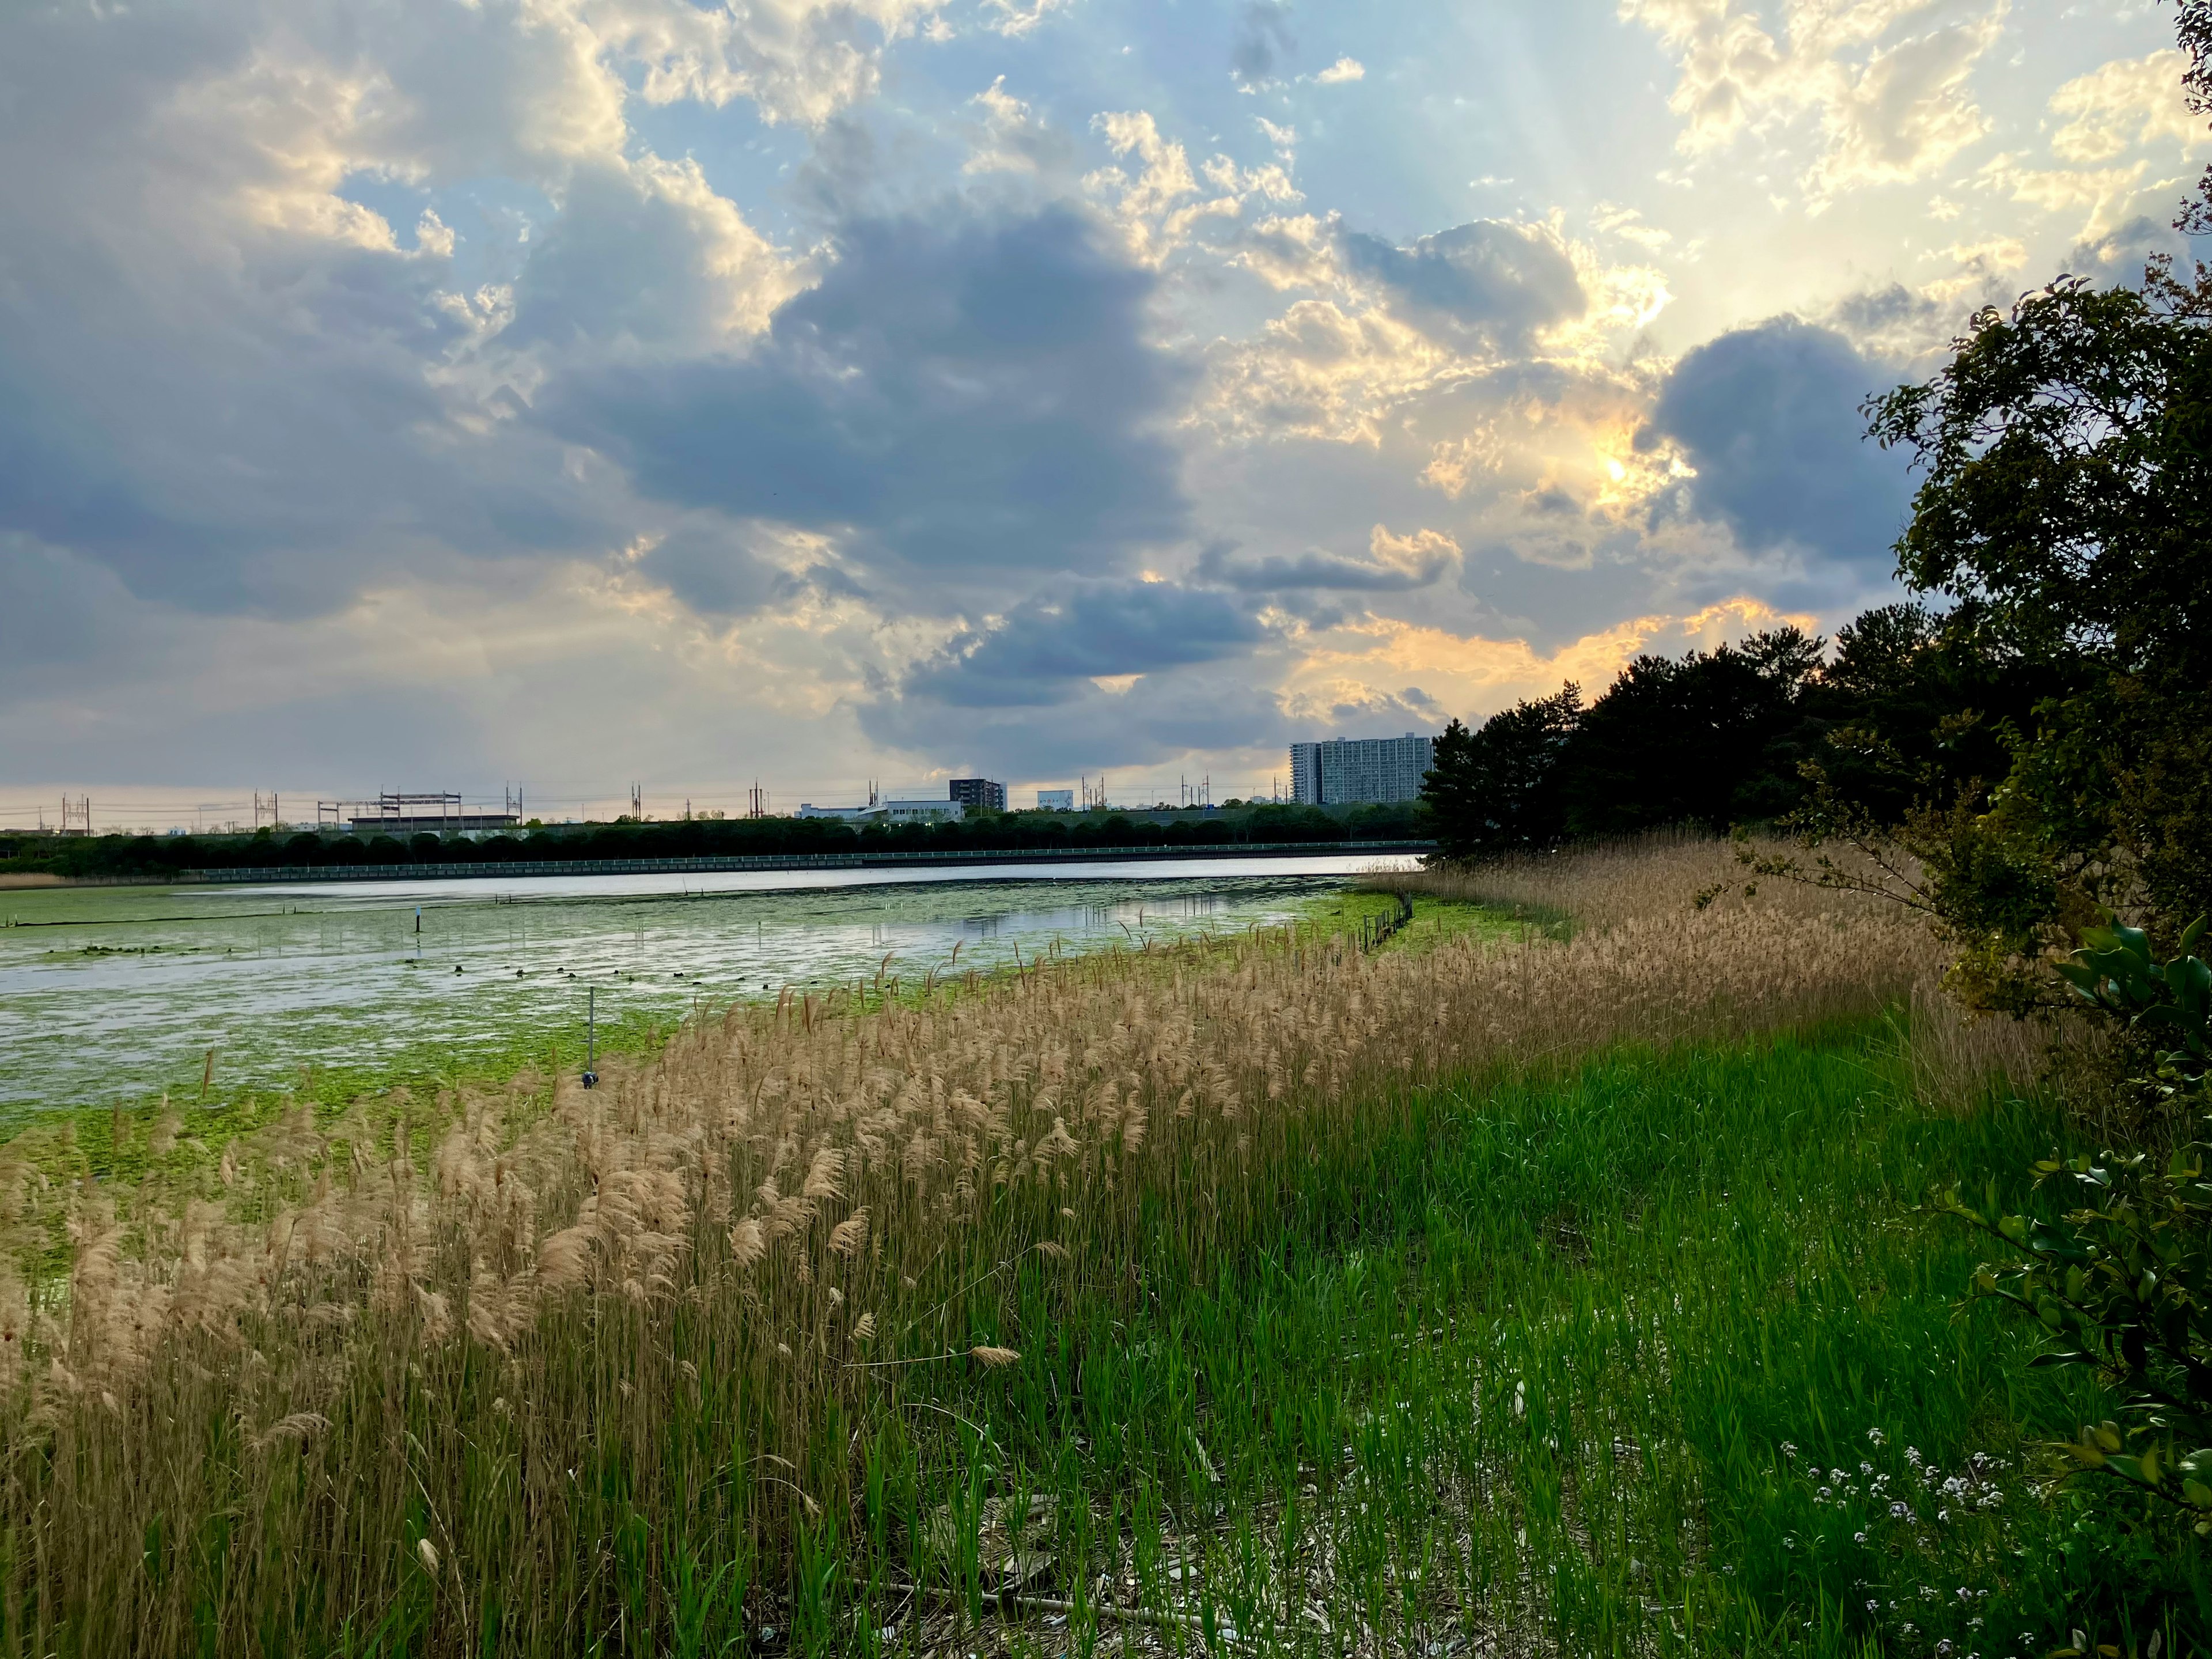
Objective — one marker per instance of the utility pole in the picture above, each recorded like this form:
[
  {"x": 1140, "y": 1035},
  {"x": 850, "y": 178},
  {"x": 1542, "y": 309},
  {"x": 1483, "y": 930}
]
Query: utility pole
[{"x": 591, "y": 1036}]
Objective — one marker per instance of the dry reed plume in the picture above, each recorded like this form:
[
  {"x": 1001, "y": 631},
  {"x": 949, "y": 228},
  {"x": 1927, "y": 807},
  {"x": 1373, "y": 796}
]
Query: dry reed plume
[{"x": 420, "y": 1375}]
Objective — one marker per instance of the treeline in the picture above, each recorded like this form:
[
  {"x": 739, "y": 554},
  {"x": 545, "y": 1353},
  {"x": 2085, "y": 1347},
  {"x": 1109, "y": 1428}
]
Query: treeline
[
  {"x": 1908, "y": 706},
  {"x": 158, "y": 856}
]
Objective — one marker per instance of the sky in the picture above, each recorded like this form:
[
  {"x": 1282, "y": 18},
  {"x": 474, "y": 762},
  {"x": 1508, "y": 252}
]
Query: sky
[{"x": 566, "y": 394}]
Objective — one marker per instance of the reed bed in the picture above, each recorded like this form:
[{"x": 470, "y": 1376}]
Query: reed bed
[
  {"x": 1628, "y": 884},
  {"x": 1659, "y": 874},
  {"x": 552, "y": 1369}
]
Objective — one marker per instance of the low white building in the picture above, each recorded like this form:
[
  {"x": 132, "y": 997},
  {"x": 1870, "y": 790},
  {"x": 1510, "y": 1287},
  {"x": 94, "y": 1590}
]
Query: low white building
[
  {"x": 927, "y": 811},
  {"x": 1055, "y": 800}
]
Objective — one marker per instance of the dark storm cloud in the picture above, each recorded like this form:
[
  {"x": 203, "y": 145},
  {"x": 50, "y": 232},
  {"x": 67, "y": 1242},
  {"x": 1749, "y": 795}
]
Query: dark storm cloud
[
  {"x": 56, "y": 607},
  {"x": 229, "y": 413},
  {"x": 1409, "y": 708},
  {"x": 1263, "y": 41},
  {"x": 1417, "y": 566},
  {"x": 1193, "y": 709},
  {"x": 220, "y": 467},
  {"x": 1488, "y": 280},
  {"x": 1887, "y": 310},
  {"x": 1049, "y": 645},
  {"x": 1770, "y": 418},
  {"x": 975, "y": 394},
  {"x": 2119, "y": 255},
  {"x": 709, "y": 567},
  {"x": 622, "y": 261}
]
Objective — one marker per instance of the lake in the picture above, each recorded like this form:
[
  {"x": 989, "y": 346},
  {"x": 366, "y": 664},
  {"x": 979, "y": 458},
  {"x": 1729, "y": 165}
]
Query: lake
[{"x": 111, "y": 995}]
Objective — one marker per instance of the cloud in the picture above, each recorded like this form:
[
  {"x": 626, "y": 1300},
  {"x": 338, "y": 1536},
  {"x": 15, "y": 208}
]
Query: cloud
[
  {"x": 1016, "y": 18},
  {"x": 1490, "y": 281},
  {"x": 57, "y": 607},
  {"x": 2126, "y": 102},
  {"x": 1908, "y": 111},
  {"x": 646, "y": 253},
  {"x": 2107, "y": 194},
  {"x": 1199, "y": 710},
  {"x": 1012, "y": 138},
  {"x": 1160, "y": 209},
  {"x": 1392, "y": 563},
  {"x": 1366, "y": 665},
  {"x": 1893, "y": 104},
  {"x": 1394, "y": 322},
  {"x": 1899, "y": 322},
  {"x": 1263, "y": 39},
  {"x": 2118, "y": 251},
  {"x": 800, "y": 61},
  {"x": 1338, "y": 704},
  {"x": 975, "y": 392},
  {"x": 605, "y": 387},
  {"x": 230, "y": 372},
  {"x": 1768, "y": 417},
  {"x": 714, "y": 568},
  {"x": 1047, "y": 647}
]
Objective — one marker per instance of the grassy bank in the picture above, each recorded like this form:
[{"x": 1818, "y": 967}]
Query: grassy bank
[
  {"x": 1392, "y": 1298},
  {"x": 1551, "y": 1364}
]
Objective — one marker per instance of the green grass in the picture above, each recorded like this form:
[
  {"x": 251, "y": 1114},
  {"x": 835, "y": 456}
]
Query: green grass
[
  {"x": 1528, "y": 1362},
  {"x": 1550, "y": 1363},
  {"x": 1434, "y": 920}
]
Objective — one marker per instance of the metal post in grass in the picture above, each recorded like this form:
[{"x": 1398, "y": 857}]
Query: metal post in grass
[{"x": 591, "y": 1034}]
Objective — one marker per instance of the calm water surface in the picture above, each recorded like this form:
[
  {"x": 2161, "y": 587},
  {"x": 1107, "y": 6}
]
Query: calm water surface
[{"x": 111, "y": 993}]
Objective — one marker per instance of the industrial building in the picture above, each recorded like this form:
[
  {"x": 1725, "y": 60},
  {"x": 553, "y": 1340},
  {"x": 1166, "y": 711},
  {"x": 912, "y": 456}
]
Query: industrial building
[
  {"x": 1345, "y": 770},
  {"x": 850, "y": 814},
  {"x": 926, "y": 810},
  {"x": 979, "y": 794},
  {"x": 441, "y": 814}
]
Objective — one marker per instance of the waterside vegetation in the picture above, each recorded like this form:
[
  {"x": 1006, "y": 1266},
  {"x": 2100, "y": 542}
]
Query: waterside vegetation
[{"x": 1498, "y": 1288}]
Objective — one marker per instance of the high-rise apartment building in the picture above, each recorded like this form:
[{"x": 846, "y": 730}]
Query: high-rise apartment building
[
  {"x": 979, "y": 794},
  {"x": 1348, "y": 769}
]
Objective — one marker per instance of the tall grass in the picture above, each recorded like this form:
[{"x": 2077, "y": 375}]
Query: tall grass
[
  {"x": 1635, "y": 881},
  {"x": 786, "y": 1325}
]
